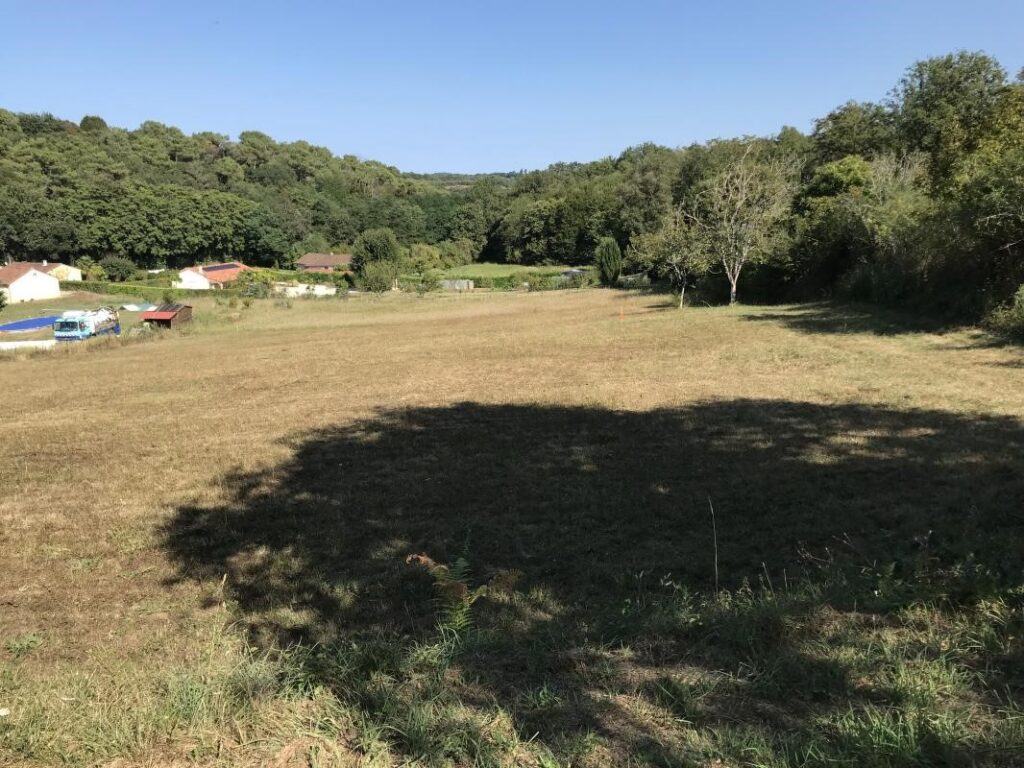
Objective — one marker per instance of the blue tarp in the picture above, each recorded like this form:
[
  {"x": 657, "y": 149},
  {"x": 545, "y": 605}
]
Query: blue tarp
[{"x": 32, "y": 324}]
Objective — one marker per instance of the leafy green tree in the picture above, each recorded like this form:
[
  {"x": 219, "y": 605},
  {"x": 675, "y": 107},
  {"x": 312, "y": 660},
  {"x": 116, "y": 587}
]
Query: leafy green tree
[
  {"x": 91, "y": 270},
  {"x": 117, "y": 268},
  {"x": 829, "y": 237},
  {"x": 855, "y": 128},
  {"x": 609, "y": 261},
  {"x": 93, "y": 124},
  {"x": 892, "y": 226},
  {"x": 644, "y": 194},
  {"x": 673, "y": 251},
  {"x": 943, "y": 105},
  {"x": 376, "y": 246}
]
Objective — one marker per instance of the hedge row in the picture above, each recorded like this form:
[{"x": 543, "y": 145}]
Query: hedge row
[
  {"x": 535, "y": 281},
  {"x": 339, "y": 279},
  {"x": 153, "y": 293}
]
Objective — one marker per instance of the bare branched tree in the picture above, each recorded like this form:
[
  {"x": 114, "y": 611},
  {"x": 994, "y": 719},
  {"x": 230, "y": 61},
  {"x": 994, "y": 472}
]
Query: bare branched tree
[{"x": 737, "y": 218}]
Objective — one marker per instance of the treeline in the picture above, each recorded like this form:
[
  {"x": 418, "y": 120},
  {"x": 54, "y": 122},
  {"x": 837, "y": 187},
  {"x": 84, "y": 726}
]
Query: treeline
[
  {"x": 917, "y": 199},
  {"x": 162, "y": 198}
]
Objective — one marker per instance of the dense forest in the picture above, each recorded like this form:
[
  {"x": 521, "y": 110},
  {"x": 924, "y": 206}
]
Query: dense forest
[{"x": 917, "y": 199}]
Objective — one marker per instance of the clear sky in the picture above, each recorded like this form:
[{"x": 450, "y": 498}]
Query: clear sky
[{"x": 479, "y": 86}]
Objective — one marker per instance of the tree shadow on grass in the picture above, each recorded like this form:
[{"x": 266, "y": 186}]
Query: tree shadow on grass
[
  {"x": 839, "y": 318},
  {"x": 593, "y": 530}
]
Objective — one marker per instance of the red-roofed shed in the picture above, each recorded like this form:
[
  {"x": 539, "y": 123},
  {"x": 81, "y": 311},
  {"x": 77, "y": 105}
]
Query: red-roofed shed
[{"x": 168, "y": 315}]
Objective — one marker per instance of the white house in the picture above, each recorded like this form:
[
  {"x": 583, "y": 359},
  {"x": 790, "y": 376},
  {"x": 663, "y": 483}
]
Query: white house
[
  {"x": 193, "y": 279},
  {"x": 207, "y": 276},
  {"x": 24, "y": 282}
]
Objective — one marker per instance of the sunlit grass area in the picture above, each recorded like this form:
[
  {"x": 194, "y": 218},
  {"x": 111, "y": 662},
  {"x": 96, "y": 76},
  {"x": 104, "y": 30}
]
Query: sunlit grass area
[{"x": 575, "y": 528}]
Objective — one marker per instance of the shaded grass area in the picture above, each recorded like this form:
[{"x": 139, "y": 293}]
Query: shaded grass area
[
  {"x": 842, "y": 318},
  {"x": 869, "y": 610}
]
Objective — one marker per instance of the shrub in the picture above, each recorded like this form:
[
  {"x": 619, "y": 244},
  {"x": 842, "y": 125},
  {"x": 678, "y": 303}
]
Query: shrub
[
  {"x": 1008, "y": 320},
  {"x": 609, "y": 261},
  {"x": 375, "y": 246},
  {"x": 423, "y": 257},
  {"x": 427, "y": 281},
  {"x": 539, "y": 282},
  {"x": 499, "y": 283},
  {"x": 378, "y": 276},
  {"x": 580, "y": 279},
  {"x": 254, "y": 284},
  {"x": 455, "y": 253},
  {"x": 118, "y": 268}
]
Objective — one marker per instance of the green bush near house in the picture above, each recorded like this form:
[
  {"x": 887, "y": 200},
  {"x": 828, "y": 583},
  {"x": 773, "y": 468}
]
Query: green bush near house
[{"x": 378, "y": 276}]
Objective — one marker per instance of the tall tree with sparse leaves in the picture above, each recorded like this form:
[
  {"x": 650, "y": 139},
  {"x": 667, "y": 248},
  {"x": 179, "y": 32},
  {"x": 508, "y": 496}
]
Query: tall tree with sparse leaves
[{"x": 737, "y": 216}]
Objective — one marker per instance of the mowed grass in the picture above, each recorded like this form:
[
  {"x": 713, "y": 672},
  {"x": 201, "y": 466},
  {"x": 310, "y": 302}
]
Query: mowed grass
[{"x": 477, "y": 530}]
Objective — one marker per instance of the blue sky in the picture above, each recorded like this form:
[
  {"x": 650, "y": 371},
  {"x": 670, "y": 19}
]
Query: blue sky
[{"x": 479, "y": 86}]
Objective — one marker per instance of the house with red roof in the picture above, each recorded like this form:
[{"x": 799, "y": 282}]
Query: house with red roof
[
  {"x": 324, "y": 262},
  {"x": 25, "y": 281},
  {"x": 207, "y": 277}
]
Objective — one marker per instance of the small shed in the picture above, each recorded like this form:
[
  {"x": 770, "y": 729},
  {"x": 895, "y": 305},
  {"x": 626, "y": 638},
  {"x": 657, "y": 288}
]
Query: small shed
[{"x": 168, "y": 315}]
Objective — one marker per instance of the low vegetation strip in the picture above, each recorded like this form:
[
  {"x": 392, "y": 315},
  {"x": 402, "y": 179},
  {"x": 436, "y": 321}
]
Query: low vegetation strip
[
  {"x": 567, "y": 529},
  {"x": 141, "y": 290}
]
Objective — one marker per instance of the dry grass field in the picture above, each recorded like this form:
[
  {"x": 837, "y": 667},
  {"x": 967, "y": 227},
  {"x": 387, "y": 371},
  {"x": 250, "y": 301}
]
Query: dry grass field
[{"x": 477, "y": 530}]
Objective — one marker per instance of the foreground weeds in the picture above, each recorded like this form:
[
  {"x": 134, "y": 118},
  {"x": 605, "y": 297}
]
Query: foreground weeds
[{"x": 754, "y": 676}]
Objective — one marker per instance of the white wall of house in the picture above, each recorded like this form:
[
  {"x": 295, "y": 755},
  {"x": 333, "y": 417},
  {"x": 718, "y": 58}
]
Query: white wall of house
[
  {"x": 189, "y": 278},
  {"x": 33, "y": 286},
  {"x": 300, "y": 290}
]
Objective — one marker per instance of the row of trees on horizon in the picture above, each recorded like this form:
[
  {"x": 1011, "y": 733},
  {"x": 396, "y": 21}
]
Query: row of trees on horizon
[{"x": 918, "y": 199}]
